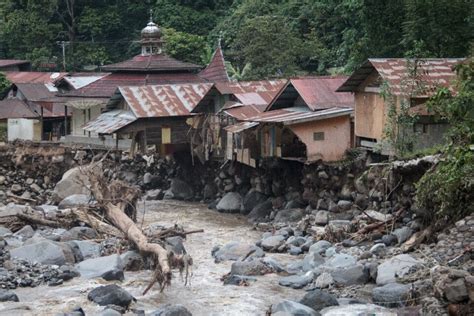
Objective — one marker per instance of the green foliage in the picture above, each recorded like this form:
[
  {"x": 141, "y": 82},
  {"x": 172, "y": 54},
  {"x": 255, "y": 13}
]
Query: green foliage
[
  {"x": 183, "y": 46},
  {"x": 4, "y": 85}
]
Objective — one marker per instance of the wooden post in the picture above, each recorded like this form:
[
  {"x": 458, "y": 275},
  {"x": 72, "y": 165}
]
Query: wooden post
[{"x": 65, "y": 120}]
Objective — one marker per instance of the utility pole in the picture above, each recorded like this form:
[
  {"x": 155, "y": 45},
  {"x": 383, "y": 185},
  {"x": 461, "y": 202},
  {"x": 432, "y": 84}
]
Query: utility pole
[{"x": 63, "y": 44}]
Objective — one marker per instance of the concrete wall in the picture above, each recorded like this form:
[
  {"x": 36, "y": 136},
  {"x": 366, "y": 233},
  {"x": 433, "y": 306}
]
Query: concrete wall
[
  {"x": 25, "y": 129},
  {"x": 337, "y": 138},
  {"x": 370, "y": 115},
  {"x": 80, "y": 117}
]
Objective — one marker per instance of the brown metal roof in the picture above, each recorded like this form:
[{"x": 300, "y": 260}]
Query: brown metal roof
[
  {"x": 266, "y": 90},
  {"x": 216, "y": 70},
  {"x": 161, "y": 62},
  {"x": 320, "y": 92},
  {"x": 164, "y": 100},
  {"x": 15, "y": 108},
  {"x": 110, "y": 122},
  {"x": 432, "y": 73},
  {"x": 12, "y": 62},
  {"x": 293, "y": 115},
  {"x": 239, "y": 127},
  {"x": 33, "y": 76},
  {"x": 244, "y": 112}
]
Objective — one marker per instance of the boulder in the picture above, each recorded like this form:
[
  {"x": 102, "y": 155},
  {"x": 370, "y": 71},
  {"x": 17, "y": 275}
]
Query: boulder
[
  {"x": 44, "y": 252},
  {"x": 152, "y": 195},
  {"x": 251, "y": 200},
  {"x": 96, "y": 267},
  {"x": 402, "y": 234},
  {"x": 132, "y": 261},
  {"x": 254, "y": 267},
  {"x": 311, "y": 261},
  {"x": 25, "y": 232},
  {"x": 344, "y": 205},
  {"x": 321, "y": 218},
  {"x": 78, "y": 233},
  {"x": 175, "y": 245},
  {"x": 355, "y": 274},
  {"x": 110, "y": 295},
  {"x": 235, "y": 251},
  {"x": 357, "y": 309},
  {"x": 4, "y": 231},
  {"x": 319, "y": 247},
  {"x": 75, "y": 200},
  {"x": 272, "y": 243},
  {"x": 239, "y": 280},
  {"x": 74, "y": 181},
  {"x": 86, "y": 249},
  {"x": 6, "y": 295},
  {"x": 317, "y": 299},
  {"x": 297, "y": 281},
  {"x": 391, "y": 295},
  {"x": 181, "y": 190},
  {"x": 340, "y": 260},
  {"x": 273, "y": 264},
  {"x": 291, "y": 308},
  {"x": 230, "y": 203},
  {"x": 171, "y": 310},
  {"x": 397, "y": 266},
  {"x": 456, "y": 291},
  {"x": 113, "y": 275},
  {"x": 324, "y": 280},
  {"x": 289, "y": 215}
]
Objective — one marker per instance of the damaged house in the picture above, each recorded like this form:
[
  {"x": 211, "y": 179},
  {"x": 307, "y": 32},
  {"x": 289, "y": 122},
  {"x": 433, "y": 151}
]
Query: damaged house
[
  {"x": 14, "y": 65},
  {"x": 381, "y": 86}
]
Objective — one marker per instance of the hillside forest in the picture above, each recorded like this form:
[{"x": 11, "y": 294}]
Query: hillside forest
[{"x": 260, "y": 38}]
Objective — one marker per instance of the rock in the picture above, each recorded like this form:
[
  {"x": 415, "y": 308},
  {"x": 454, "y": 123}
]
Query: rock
[
  {"x": 171, "y": 310},
  {"x": 289, "y": 215},
  {"x": 6, "y": 295},
  {"x": 320, "y": 247},
  {"x": 75, "y": 200},
  {"x": 153, "y": 195},
  {"x": 238, "y": 280},
  {"x": 294, "y": 204},
  {"x": 235, "y": 251},
  {"x": 397, "y": 266},
  {"x": 251, "y": 200},
  {"x": 357, "y": 309},
  {"x": 4, "y": 231},
  {"x": 272, "y": 243},
  {"x": 25, "y": 233},
  {"x": 324, "y": 280},
  {"x": 209, "y": 191},
  {"x": 378, "y": 249},
  {"x": 181, "y": 190},
  {"x": 317, "y": 300},
  {"x": 44, "y": 252},
  {"x": 321, "y": 218},
  {"x": 147, "y": 178},
  {"x": 340, "y": 260},
  {"x": 391, "y": 295},
  {"x": 402, "y": 234},
  {"x": 175, "y": 245},
  {"x": 344, "y": 205},
  {"x": 456, "y": 291},
  {"x": 273, "y": 264},
  {"x": 113, "y": 275},
  {"x": 230, "y": 203},
  {"x": 110, "y": 312},
  {"x": 110, "y": 295},
  {"x": 132, "y": 261},
  {"x": 354, "y": 274},
  {"x": 254, "y": 267},
  {"x": 74, "y": 181},
  {"x": 340, "y": 225},
  {"x": 36, "y": 188},
  {"x": 96, "y": 267},
  {"x": 375, "y": 215},
  {"x": 78, "y": 233},
  {"x": 297, "y": 281},
  {"x": 16, "y": 188},
  {"x": 389, "y": 240},
  {"x": 291, "y": 308},
  {"x": 312, "y": 260},
  {"x": 87, "y": 249},
  {"x": 295, "y": 251}
]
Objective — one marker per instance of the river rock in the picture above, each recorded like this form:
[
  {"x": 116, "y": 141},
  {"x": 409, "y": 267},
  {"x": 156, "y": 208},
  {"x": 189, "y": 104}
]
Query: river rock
[
  {"x": 391, "y": 295},
  {"x": 357, "y": 309},
  {"x": 403, "y": 234},
  {"x": 261, "y": 210},
  {"x": 132, "y": 261},
  {"x": 254, "y": 267},
  {"x": 456, "y": 291},
  {"x": 297, "y": 281},
  {"x": 175, "y": 245},
  {"x": 321, "y": 218},
  {"x": 311, "y": 261},
  {"x": 171, "y": 310},
  {"x": 110, "y": 295},
  {"x": 181, "y": 190},
  {"x": 6, "y": 295},
  {"x": 235, "y": 251},
  {"x": 324, "y": 280},
  {"x": 340, "y": 260},
  {"x": 291, "y": 308},
  {"x": 319, "y": 247},
  {"x": 4, "y": 231},
  {"x": 251, "y": 200},
  {"x": 239, "y": 280},
  {"x": 96, "y": 267},
  {"x": 74, "y": 181},
  {"x": 231, "y": 202},
  {"x": 86, "y": 249},
  {"x": 289, "y": 215},
  {"x": 273, "y": 264},
  {"x": 45, "y": 252},
  {"x": 354, "y": 274},
  {"x": 272, "y": 243},
  {"x": 25, "y": 233},
  {"x": 397, "y": 266},
  {"x": 113, "y": 275},
  {"x": 317, "y": 299},
  {"x": 75, "y": 200},
  {"x": 78, "y": 233}
]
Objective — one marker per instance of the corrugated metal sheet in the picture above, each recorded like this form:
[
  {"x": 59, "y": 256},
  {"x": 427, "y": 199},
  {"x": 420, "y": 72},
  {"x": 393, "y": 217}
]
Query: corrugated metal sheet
[
  {"x": 33, "y": 76},
  {"x": 267, "y": 90},
  {"x": 216, "y": 70},
  {"x": 110, "y": 122},
  {"x": 161, "y": 62},
  {"x": 239, "y": 127},
  {"x": 15, "y": 108},
  {"x": 298, "y": 115},
  {"x": 164, "y": 100},
  {"x": 36, "y": 91},
  {"x": 12, "y": 62},
  {"x": 78, "y": 81},
  {"x": 244, "y": 112},
  {"x": 320, "y": 92},
  {"x": 433, "y": 73}
]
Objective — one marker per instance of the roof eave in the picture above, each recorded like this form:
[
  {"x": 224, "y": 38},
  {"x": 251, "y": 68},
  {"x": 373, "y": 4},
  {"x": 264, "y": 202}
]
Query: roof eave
[{"x": 319, "y": 118}]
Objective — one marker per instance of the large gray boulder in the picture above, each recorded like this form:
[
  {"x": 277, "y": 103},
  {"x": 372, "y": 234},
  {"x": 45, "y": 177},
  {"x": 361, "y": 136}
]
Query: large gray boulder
[
  {"x": 261, "y": 210},
  {"x": 98, "y": 267},
  {"x": 254, "y": 267},
  {"x": 110, "y": 295},
  {"x": 355, "y": 274},
  {"x": 4, "y": 231},
  {"x": 297, "y": 281},
  {"x": 6, "y": 295},
  {"x": 289, "y": 215},
  {"x": 397, "y": 266},
  {"x": 86, "y": 249},
  {"x": 391, "y": 295},
  {"x": 291, "y": 308},
  {"x": 74, "y": 181},
  {"x": 44, "y": 252},
  {"x": 78, "y": 233},
  {"x": 273, "y": 242},
  {"x": 251, "y": 200},
  {"x": 181, "y": 190},
  {"x": 75, "y": 200},
  {"x": 357, "y": 309},
  {"x": 235, "y": 251},
  {"x": 171, "y": 310},
  {"x": 317, "y": 299},
  {"x": 230, "y": 203}
]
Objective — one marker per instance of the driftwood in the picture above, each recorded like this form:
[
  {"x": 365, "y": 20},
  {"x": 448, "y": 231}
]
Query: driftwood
[{"x": 371, "y": 227}]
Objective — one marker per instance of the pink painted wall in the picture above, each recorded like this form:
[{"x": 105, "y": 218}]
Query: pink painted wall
[{"x": 337, "y": 138}]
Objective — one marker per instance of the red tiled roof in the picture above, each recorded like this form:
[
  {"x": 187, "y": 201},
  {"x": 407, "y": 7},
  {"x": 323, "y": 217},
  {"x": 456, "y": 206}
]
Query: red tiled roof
[
  {"x": 320, "y": 92},
  {"x": 164, "y": 100},
  {"x": 161, "y": 62},
  {"x": 106, "y": 86},
  {"x": 216, "y": 70},
  {"x": 33, "y": 76},
  {"x": 431, "y": 73},
  {"x": 12, "y": 62},
  {"x": 15, "y": 108}
]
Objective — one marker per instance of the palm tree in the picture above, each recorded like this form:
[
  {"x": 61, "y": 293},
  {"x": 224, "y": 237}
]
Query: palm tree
[{"x": 237, "y": 74}]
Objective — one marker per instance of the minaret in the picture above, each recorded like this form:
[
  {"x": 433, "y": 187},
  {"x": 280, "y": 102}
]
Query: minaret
[{"x": 151, "y": 38}]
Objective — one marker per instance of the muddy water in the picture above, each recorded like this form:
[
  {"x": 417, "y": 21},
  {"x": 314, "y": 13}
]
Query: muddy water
[{"x": 206, "y": 295}]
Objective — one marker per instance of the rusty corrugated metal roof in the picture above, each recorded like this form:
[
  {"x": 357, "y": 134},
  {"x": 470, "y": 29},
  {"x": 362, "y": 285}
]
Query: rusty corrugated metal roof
[
  {"x": 33, "y": 76},
  {"x": 164, "y": 100},
  {"x": 266, "y": 90},
  {"x": 110, "y": 122},
  {"x": 294, "y": 115},
  {"x": 161, "y": 62},
  {"x": 15, "y": 108},
  {"x": 216, "y": 70},
  {"x": 244, "y": 112},
  {"x": 431, "y": 72},
  {"x": 320, "y": 92},
  {"x": 12, "y": 62},
  {"x": 239, "y": 127}
]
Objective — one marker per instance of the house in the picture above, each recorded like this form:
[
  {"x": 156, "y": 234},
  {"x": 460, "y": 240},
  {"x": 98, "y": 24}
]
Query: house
[
  {"x": 381, "y": 86},
  {"x": 14, "y": 65},
  {"x": 31, "y": 110},
  {"x": 306, "y": 121},
  {"x": 150, "y": 68}
]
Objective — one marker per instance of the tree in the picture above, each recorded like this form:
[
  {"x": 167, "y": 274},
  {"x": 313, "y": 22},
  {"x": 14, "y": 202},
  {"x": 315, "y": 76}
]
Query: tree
[
  {"x": 183, "y": 46},
  {"x": 4, "y": 85}
]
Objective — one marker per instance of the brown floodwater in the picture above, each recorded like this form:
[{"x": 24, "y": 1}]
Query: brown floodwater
[{"x": 206, "y": 295}]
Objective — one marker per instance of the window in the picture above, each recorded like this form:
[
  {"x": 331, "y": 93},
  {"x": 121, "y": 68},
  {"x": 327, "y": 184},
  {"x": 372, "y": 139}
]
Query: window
[
  {"x": 166, "y": 135},
  {"x": 318, "y": 136},
  {"x": 420, "y": 128}
]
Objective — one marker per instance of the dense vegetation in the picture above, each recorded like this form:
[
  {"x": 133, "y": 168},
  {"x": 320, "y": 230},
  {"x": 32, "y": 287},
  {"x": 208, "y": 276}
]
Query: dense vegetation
[{"x": 261, "y": 38}]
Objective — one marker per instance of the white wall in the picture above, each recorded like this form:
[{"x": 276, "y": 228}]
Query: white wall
[
  {"x": 79, "y": 119},
  {"x": 26, "y": 129}
]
